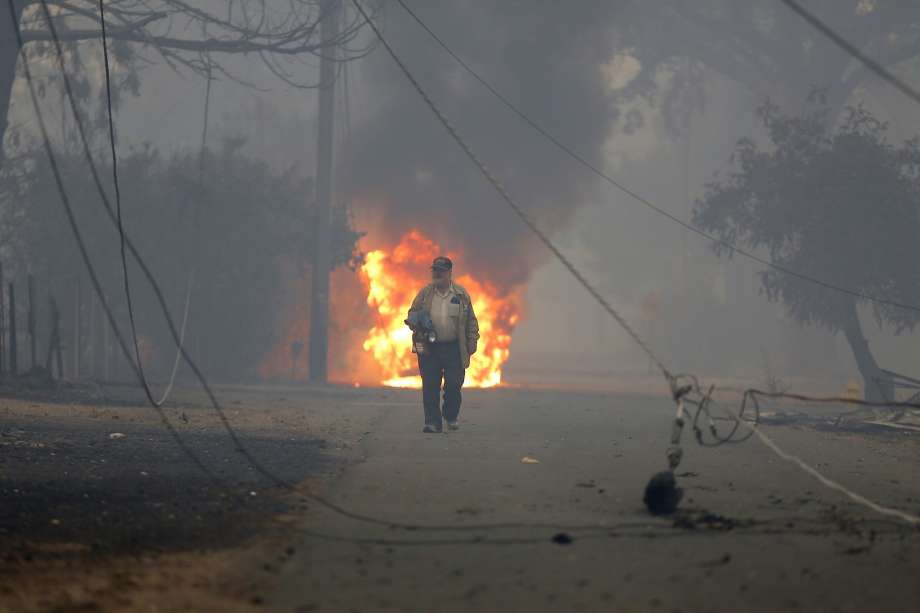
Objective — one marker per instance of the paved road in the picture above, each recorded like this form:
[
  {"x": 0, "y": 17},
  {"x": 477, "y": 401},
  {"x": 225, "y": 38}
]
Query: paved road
[{"x": 757, "y": 534}]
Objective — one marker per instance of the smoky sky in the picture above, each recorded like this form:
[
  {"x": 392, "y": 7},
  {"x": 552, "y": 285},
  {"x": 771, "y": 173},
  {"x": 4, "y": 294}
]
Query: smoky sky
[{"x": 547, "y": 59}]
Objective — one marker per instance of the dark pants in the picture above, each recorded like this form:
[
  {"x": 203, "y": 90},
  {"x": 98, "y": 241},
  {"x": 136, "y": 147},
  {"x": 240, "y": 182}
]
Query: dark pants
[{"x": 441, "y": 362}]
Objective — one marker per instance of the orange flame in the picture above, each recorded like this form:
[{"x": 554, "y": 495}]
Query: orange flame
[
  {"x": 387, "y": 283},
  {"x": 393, "y": 279}
]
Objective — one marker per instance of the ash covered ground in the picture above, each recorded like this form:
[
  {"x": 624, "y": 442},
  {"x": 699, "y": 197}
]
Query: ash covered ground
[{"x": 96, "y": 522}]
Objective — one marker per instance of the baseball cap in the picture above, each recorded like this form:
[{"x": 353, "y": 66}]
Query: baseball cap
[{"x": 442, "y": 263}]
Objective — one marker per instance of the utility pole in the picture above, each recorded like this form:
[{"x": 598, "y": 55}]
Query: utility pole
[
  {"x": 319, "y": 299},
  {"x": 2, "y": 326},
  {"x": 77, "y": 329},
  {"x": 14, "y": 349},
  {"x": 688, "y": 213},
  {"x": 31, "y": 323}
]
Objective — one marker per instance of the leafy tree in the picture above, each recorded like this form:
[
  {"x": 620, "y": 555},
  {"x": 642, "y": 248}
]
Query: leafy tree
[
  {"x": 762, "y": 46},
  {"x": 836, "y": 202},
  {"x": 241, "y": 229}
]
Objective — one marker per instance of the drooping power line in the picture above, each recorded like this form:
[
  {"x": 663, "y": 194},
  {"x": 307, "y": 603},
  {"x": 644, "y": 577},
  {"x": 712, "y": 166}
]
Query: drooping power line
[
  {"x": 634, "y": 194},
  {"x": 850, "y": 48},
  {"x": 675, "y": 382},
  {"x": 515, "y": 207}
]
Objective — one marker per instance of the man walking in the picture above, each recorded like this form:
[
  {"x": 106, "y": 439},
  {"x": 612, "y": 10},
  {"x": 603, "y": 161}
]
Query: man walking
[{"x": 444, "y": 349}]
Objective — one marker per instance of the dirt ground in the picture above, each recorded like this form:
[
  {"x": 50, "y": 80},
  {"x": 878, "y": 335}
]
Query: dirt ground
[{"x": 102, "y": 511}]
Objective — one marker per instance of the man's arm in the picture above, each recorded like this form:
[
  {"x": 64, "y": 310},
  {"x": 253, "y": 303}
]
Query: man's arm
[{"x": 418, "y": 303}]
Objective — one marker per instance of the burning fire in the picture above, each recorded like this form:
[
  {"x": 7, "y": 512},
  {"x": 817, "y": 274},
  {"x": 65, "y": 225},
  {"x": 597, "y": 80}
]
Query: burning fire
[{"x": 392, "y": 280}]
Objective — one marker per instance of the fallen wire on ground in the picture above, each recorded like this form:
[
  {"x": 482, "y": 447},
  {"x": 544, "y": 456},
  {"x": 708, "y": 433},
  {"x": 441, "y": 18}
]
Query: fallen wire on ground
[{"x": 692, "y": 394}]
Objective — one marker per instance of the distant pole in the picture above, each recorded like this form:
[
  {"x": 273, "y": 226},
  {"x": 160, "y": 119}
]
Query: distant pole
[
  {"x": 2, "y": 326},
  {"x": 30, "y": 323},
  {"x": 49, "y": 356},
  {"x": 688, "y": 124},
  {"x": 93, "y": 337},
  {"x": 54, "y": 340},
  {"x": 58, "y": 349},
  {"x": 319, "y": 298},
  {"x": 14, "y": 361},
  {"x": 106, "y": 349},
  {"x": 77, "y": 325}
]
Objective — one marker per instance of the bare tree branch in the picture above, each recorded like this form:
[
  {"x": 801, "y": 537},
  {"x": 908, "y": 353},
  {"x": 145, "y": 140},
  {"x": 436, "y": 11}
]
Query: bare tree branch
[
  {"x": 73, "y": 35},
  {"x": 178, "y": 29}
]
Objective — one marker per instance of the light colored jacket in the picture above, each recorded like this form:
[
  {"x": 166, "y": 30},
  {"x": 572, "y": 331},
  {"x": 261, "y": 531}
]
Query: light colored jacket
[{"x": 467, "y": 324}]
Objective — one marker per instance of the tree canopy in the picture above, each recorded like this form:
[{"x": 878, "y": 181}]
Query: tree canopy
[
  {"x": 761, "y": 45},
  {"x": 243, "y": 229},
  {"x": 836, "y": 202}
]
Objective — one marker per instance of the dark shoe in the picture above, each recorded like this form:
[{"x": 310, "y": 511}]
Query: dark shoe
[
  {"x": 431, "y": 429},
  {"x": 452, "y": 425}
]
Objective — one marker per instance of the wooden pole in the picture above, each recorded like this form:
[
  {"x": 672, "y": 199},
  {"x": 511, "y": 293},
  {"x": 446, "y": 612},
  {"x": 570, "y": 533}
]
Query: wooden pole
[
  {"x": 54, "y": 340},
  {"x": 77, "y": 328},
  {"x": 50, "y": 352},
  {"x": 30, "y": 323},
  {"x": 92, "y": 336},
  {"x": 2, "y": 326},
  {"x": 56, "y": 337},
  {"x": 49, "y": 355},
  {"x": 14, "y": 364},
  {"x": 106, "y": 353},
  {"x": 319, "y": 276}
]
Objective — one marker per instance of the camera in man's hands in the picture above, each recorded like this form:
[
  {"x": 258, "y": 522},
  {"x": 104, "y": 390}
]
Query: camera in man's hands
[{"x": 422, "y": 330}]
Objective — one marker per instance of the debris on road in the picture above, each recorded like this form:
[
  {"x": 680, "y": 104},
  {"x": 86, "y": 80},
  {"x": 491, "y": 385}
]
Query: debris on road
[
  {"x": 562, "y": 538},
  {"x": 662, "y": 494},
  {"x": 529, "y": 460},
  {"x": 710, "y": 521},
  {"x": 722, "y": 561}
]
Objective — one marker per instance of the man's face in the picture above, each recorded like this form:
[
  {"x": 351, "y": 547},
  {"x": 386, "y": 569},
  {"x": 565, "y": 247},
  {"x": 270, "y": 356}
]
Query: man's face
[{"x": 440, "y": 277}]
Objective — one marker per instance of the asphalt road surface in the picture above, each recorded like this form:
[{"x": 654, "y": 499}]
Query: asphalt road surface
[
  {"x": 101, "y": 511},
  {"x": 570, "y": 533}
]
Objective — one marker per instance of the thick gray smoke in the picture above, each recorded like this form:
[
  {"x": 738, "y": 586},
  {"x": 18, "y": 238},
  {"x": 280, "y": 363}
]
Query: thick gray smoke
[{"x": 547, "y": 59}]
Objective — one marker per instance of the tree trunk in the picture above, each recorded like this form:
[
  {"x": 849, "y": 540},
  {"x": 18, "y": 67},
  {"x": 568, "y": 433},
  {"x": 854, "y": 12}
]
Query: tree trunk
[
  {"x": 877, "y": 385},
  {"x": 9, "y": 54}
]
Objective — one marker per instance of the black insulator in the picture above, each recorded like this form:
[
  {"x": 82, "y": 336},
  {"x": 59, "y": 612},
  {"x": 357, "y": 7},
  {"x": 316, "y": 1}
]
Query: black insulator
[{"x": 662, "y": 494}]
